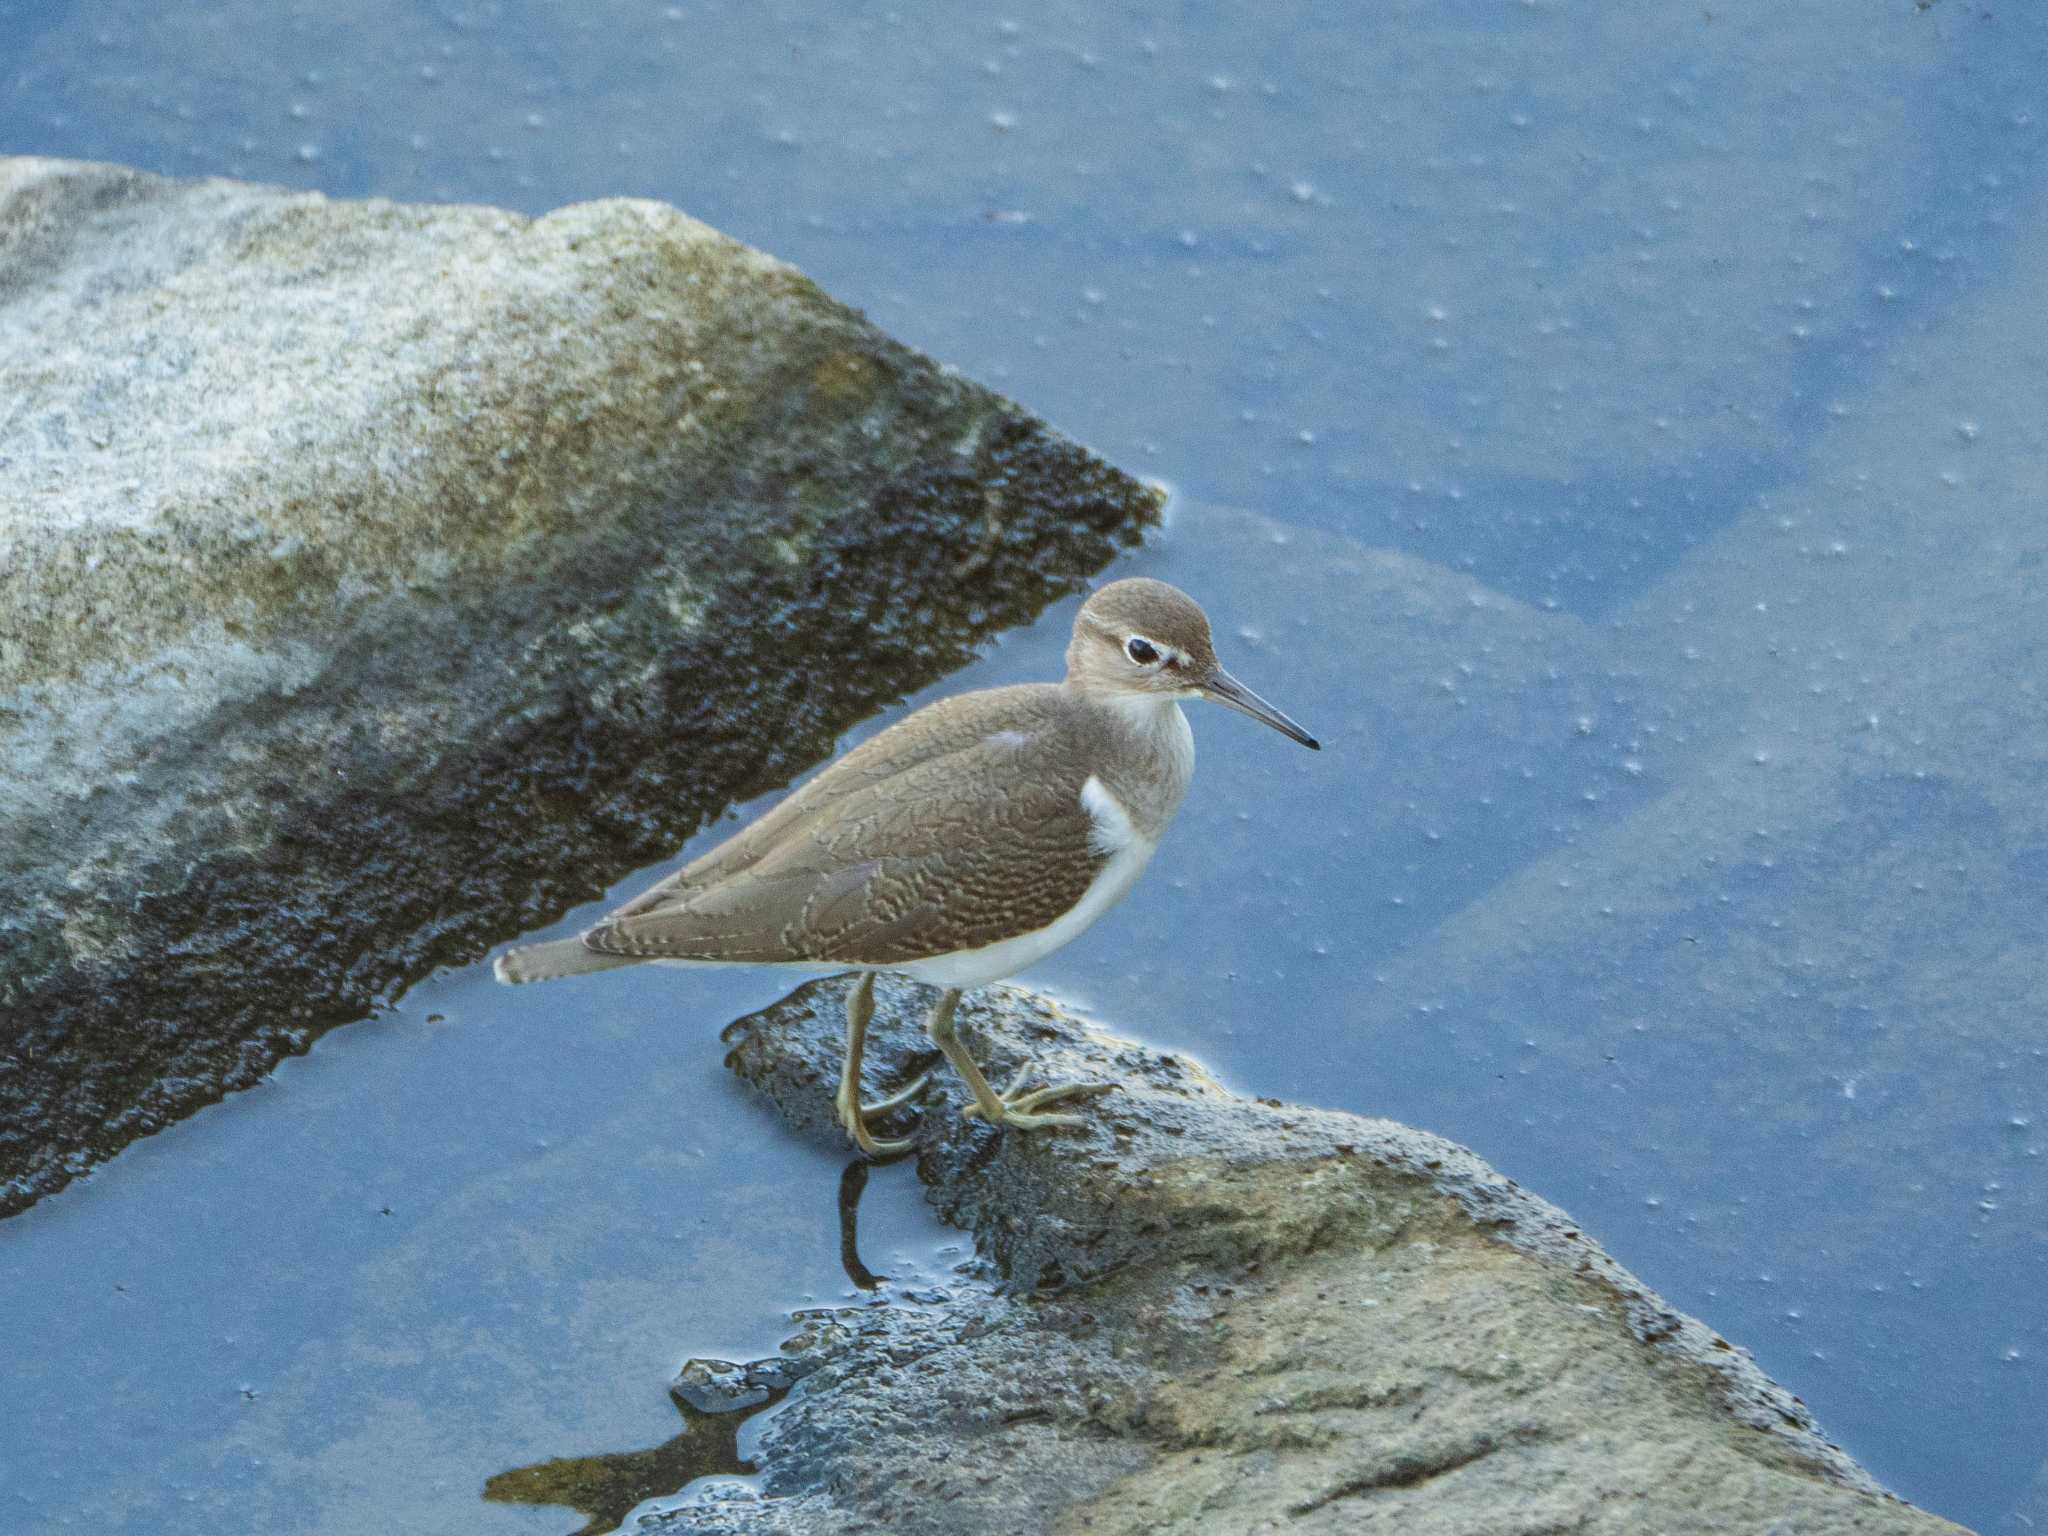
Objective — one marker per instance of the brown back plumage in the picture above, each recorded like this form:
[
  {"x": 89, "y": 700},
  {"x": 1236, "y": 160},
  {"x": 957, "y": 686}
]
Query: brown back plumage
[{"x": 924, "y": 840}]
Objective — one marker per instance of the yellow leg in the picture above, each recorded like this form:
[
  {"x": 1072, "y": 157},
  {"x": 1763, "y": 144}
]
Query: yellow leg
[
  {"x": 853, "y": 1114},
  {"x": 1010, "y": 1107}
]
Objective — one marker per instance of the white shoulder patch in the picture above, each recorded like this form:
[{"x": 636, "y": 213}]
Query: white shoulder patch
[{"x": 1113, "y": 830}]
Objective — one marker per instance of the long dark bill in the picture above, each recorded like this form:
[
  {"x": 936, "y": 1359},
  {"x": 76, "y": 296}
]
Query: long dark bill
[{"x": 1225, "y": 689}]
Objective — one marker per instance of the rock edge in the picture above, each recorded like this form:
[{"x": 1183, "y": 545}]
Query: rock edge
[{"x": 1218, "y": 1314}]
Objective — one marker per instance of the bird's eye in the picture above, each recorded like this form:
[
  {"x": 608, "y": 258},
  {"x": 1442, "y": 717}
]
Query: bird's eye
[{"x": 1141, "y": 650}]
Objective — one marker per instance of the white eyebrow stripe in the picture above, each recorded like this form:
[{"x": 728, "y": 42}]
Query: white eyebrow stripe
[{"x": 1166, "y": 652}]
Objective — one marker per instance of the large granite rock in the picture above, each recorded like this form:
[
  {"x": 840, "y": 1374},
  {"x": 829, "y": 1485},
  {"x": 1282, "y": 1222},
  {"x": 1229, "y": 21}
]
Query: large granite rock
[
  {"x": 380, "y": 580},
  {"x": 1214, "y": 1314}
]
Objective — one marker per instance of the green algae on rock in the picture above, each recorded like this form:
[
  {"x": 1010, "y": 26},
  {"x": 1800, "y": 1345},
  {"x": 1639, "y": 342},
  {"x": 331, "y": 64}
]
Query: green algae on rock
[{"x": 380, "y": 580}]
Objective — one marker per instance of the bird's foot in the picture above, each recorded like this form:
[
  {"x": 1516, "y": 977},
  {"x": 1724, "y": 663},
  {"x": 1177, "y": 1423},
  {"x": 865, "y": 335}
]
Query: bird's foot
[
  {"x": 1015, "y": 1107},
  {"x": 855, "y": 1115}
]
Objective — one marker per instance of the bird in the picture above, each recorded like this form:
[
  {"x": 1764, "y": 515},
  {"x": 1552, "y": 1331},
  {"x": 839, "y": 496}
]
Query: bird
[{"x": 959, "y": 846}]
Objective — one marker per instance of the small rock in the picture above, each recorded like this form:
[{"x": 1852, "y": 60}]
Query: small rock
[{"x": 718, "y": 1386}]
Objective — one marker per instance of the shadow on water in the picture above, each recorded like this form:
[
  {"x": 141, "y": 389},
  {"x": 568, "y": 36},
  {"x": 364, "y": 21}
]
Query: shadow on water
[
  {"x": 716, "y": 1399},
  {"x": 609, "y": 1487}
]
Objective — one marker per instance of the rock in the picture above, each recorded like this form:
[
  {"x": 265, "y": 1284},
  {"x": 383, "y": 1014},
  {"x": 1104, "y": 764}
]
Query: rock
[
  {"x": 726, "y": 1386},
  {"x": 382, "y": 580},
  {"x": 1213, "y": 1314},
  {"x": 720, "y": 1386}
]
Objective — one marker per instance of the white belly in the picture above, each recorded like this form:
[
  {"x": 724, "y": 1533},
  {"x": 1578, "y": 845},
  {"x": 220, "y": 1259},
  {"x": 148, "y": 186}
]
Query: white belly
[{"x": 1128, "y": 855}]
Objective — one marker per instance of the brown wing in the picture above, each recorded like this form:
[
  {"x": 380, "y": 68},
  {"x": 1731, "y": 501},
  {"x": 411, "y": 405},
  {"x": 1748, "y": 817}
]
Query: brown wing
[
  {"x": 938, "y": 730},
  {"x": 952, "y": 852}
]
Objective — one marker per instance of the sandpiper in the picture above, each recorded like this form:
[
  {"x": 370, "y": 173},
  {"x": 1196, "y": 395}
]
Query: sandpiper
[{"x": 959, "y": 846}]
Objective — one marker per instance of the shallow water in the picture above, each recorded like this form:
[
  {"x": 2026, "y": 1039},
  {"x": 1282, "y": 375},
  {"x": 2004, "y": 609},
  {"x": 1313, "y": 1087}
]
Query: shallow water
[
  {"x": 471, "y": 1236},
  {"x": 1617, "y": 436}
]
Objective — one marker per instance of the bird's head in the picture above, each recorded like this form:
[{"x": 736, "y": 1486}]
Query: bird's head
[{"x": 1138, "y": 638}]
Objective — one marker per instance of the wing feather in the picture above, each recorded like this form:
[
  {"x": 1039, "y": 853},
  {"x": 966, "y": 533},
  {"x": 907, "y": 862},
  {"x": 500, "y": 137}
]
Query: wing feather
[
  {"x": 941, "y": 729},
  {"x": 954, "y": 851}
]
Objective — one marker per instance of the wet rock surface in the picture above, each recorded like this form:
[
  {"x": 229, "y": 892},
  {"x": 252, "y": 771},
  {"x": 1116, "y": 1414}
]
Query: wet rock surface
[
  {"x": 1218, "y": 1314},
  {"x": 377, "y": 581},
  {"x": 727, "y": 1386}
]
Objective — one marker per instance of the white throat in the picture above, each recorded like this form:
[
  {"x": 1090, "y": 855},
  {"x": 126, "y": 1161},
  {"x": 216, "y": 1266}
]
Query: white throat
[{"x": 1150, "y": 776}]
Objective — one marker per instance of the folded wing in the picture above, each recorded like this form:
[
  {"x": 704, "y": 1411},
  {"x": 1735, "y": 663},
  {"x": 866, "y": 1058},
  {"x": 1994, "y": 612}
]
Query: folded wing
[{"x": 952, "y": 851}]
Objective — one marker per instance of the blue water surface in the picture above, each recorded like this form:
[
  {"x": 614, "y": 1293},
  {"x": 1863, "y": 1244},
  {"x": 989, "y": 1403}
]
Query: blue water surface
[{"x": 1620, "y": 432}]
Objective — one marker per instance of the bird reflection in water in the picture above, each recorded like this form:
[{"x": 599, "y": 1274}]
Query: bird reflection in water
[{"x": 606, "y": 1488}]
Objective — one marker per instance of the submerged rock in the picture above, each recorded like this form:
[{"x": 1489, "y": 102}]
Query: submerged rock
[
  {"x": 377, "y": 581},
  {"x": 1215, "y": 1314}
]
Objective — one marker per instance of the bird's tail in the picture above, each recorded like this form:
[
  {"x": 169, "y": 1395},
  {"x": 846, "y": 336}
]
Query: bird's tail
[{"x": 557, "y": 957}]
